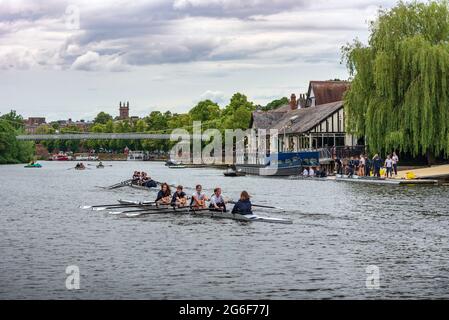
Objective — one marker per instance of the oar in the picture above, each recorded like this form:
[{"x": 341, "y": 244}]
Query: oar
[
  {"x": 177, "y": 210},
  {"x": 144, "y": 209},
  {"x": 259, "y": 206},
  {"x": 124, "y": 206},
  {"x": 117, "y": 205}
]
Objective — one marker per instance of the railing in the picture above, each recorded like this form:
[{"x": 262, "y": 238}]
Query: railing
[
  {"x": 347, "y": 152},
  {"x": 102, "y": 136}
]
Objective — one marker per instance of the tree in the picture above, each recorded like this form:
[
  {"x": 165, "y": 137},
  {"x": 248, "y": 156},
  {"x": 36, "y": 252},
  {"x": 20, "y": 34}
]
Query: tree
[
  {"x": 102, "y": 118},
  {"x": 14, "y": 119},
  {"x": 204, "y": 111},
  {"x": 276, "y": 104},
  {"x": 399, "y": 97},
  {"x": 11, "y": 149},
  {"x": 237, "y": 114}
]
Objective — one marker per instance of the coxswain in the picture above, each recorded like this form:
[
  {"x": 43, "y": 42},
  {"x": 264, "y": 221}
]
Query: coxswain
[
  {"x": 164, "y": 195},
  {"x": 217, "y": 202},
  {"x": 179, "y": 198},
  {"x": 243, "y": 206},
  {"x": 199, "y": 198}
]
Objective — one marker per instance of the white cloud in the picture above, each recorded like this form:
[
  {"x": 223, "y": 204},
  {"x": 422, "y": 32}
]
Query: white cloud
[
  {"x": 173, "y": 50},
  {"x": 215, "y": 96},
  {"x": 93, "y": 61}
]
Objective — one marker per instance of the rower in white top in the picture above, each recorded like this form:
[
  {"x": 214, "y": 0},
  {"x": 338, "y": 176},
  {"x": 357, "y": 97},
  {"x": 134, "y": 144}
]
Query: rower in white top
[
  {"x": 217, "y": 203},
  {"x": 199, "y": 198}
]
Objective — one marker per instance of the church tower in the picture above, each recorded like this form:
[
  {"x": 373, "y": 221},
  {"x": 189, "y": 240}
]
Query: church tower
[{"x": 124, "y": 111}]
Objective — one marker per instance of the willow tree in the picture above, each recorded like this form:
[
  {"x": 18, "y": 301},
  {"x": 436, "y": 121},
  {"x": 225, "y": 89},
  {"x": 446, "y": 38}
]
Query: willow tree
[{"x": 399, "y": 97}]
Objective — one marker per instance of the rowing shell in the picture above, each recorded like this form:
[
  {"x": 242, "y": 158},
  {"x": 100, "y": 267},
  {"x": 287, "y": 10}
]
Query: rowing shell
[{"x": 212, "y": 214}]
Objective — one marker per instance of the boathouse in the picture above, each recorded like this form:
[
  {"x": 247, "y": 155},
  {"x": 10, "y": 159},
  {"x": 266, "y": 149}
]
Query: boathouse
[{"x": 314, "y": 122}]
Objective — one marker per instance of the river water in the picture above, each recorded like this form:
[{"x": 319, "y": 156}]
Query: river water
[{"x": 339, "y": 230}]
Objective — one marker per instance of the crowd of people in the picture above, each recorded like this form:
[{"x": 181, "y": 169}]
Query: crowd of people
[
  {"x": 363, "y": 166},
  {"x": 199, "y": 200}
]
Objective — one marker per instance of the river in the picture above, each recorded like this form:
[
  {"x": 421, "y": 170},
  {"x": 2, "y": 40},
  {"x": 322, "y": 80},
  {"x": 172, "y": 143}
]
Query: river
[{"x": 339, "y": 230}]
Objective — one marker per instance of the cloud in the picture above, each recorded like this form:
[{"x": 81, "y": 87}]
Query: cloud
[
  {"x": 118, "y": 35},
  {"x": 93, "y": 61},
  {"x": 215, "y": 96},
  {"x": 235, "y": 8}
]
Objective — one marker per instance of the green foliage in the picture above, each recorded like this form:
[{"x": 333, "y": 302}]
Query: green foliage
[
  {"x": 102, "y": 118},
  {"x": 14, "y": 119},
  {"x": 273, "y": 105},
  {"x": 12, "y": 150},
  {"x": 205, "y": 111},
  {"x": 237, "y": 114},
  {"x": 400, "y": 93}
]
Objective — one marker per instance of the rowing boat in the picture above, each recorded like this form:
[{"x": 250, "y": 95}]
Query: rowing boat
[
  {"x": 206, "y": 213},
  {"x": 35, "y": 165}
]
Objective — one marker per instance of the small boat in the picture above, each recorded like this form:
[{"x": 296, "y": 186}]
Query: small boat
[
  {"x": 140, "y": 187},
  {"x": 60, "y": 157},
  {"x": 207, "y": 213},
  {"x": 172, "y": 164},
  {"x": 234, "y": 174},
  {"x": 100, "y": 167},
  {"x": 177, "y": 166},
  {"x": 33, "y": 165}
]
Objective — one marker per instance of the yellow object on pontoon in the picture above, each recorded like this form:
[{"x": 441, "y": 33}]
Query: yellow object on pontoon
[{"x": 410, "y": 176}]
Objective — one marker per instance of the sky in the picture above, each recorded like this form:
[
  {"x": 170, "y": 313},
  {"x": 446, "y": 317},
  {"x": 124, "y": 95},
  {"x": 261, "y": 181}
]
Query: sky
[{"x": 72, "y": 59}]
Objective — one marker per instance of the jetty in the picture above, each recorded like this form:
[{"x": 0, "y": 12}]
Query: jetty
[{"x": 440, "y": 172}]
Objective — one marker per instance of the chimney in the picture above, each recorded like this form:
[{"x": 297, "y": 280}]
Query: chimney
[
  {"x": 293, "y": 102},
  {"x": 302, "y": 101}
]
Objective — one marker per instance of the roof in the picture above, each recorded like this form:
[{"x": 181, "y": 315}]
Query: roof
[
  {"x": 328, "y": 91},
  {"x": 265, "y": 120},
  {"x": 307, "y": 118}
]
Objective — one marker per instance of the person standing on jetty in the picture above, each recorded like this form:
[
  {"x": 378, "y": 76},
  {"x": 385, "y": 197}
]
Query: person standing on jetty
[
  {"x": 362, "y": 164},
  {"x": 389, "y": 167},
  {"x": 377, "y": 164},
  {"x": 395, "y": 159},
  {"x": 367, "y": 167}
]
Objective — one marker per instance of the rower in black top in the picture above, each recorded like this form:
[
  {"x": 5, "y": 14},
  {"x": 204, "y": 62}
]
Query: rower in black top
[
  {"x": 179, "y": 198},
  {"x": 164, "y": 195},
  {"x": 243, "y": 206}
]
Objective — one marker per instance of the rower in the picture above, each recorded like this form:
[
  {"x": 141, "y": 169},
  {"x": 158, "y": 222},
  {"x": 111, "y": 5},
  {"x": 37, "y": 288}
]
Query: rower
[
  {"x": 217, "y": 202},
  {"x": 199, "y": 198},
  {"x": 179, "y": 198},
  {"x": 243, "y": 206},
  {"x": 164, "y": 195}
]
